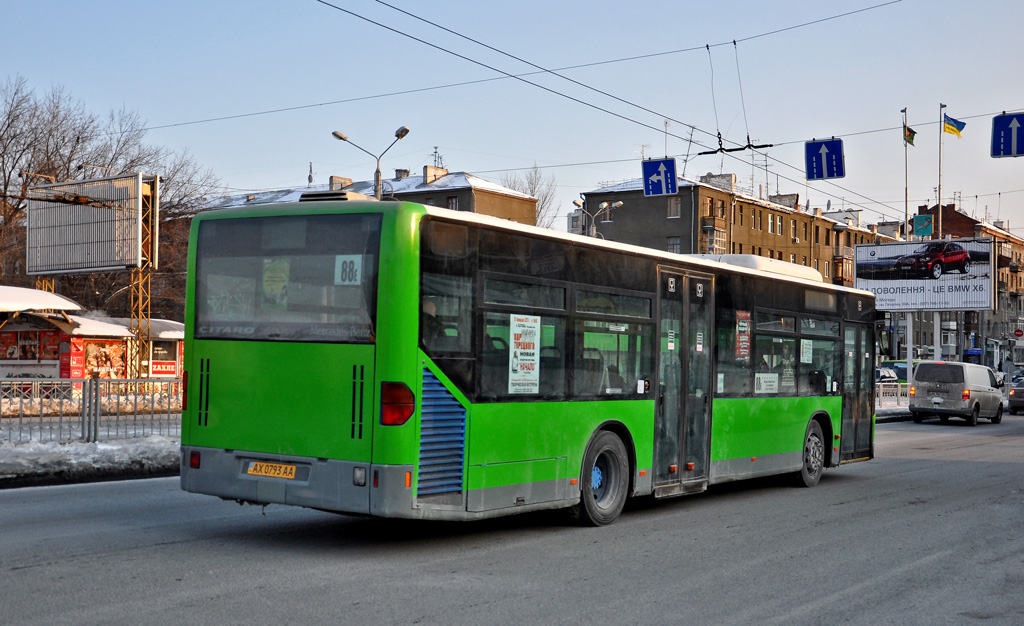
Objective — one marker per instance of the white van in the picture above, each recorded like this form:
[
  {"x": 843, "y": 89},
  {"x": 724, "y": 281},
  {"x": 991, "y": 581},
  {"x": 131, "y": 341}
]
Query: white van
[{"x": 959, "y": 389}]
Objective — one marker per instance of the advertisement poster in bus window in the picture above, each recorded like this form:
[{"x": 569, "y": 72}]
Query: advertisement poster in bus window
[
  {"x": 766, "y": 383},
  {"x": 524, "y": 353},
  {"x": 742, "y": 334},
  {"x": 275, "y": 283}
]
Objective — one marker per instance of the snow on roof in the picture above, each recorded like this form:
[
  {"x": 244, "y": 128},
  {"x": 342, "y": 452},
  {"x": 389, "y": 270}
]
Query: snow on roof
[
  {"x": 98, "y": 328},
  {"x": 14, "y": 299},
  {"x": 397, "y": 186},
  {"x": 158, "y": 328}
]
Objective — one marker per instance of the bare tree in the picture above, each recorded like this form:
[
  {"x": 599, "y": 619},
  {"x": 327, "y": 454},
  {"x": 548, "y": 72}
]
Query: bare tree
[
  {"x": 54, "y": 135},
  {"x": 536, "y": 185}
]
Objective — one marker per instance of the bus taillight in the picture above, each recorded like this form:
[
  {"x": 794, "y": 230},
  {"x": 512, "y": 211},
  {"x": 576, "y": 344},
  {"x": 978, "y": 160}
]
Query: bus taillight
[{"x": 397, "y": 403}]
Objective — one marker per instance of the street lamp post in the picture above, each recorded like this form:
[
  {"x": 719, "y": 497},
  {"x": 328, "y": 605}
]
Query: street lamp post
[
  {"x": 604, "y": 207},
  {"x": 401, "y": 132}
]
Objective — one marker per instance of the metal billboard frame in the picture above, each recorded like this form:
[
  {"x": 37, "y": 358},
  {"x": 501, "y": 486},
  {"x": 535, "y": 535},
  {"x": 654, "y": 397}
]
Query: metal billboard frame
[{"x": 94, "y": 225}]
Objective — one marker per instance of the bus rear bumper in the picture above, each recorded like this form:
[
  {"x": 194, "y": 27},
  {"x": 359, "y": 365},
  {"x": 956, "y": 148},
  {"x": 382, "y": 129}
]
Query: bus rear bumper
[{"x": 326, "y": 484}]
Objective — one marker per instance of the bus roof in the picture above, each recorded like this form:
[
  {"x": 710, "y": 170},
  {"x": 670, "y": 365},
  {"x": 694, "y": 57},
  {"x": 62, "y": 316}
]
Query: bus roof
[{"x": 741, "y": 263}]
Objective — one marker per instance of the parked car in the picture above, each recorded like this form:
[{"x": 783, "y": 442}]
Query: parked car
[
  {"x": 935, "y": 258},
  {"x": 1016, "y": 401},
  {"x": 961, "y": 390},
  {"x": 885, "y": 375},
  {"x": 1017, "y": 375}
]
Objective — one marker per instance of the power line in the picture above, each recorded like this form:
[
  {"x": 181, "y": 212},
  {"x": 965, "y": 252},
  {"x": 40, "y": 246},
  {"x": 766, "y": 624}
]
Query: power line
[{"x": 572, "y": 98}]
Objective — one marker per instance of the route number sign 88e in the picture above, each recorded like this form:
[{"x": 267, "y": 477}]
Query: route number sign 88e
[{"x": 348, "y": 269}]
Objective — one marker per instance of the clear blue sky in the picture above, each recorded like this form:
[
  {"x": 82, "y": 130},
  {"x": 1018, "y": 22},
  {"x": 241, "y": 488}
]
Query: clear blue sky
[{"x": 177, "y": 63}]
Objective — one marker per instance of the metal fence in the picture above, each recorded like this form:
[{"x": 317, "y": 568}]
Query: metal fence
[
  {"x": 64, "y": 410},
  {"x": 891, "y": 395}
]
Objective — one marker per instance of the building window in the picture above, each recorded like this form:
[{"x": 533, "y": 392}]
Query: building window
[
  {"x": 778, "y": 230},
  {"x": 816, "y": 265},
  {"x": 674, "y": 245},
  {"x": 758, "y": 250},
  {"x": 805, "y": 262},
  {"x": 805, "y": 231},
  {"x": 713, "y": 242},
  {"x": 674, "y": 205},
  {"x": 453, "y": 203},
  {"x": 741, "y": 216},
  {"x": 817, "y": 235},
  {"x": 826, "y": 269},
  {"x": 771, "y": 224},
  {"x": 760, "y": 215},
  {"x": 771, "y": 253},
  {"x": 794, "y": 230},
  {"x": 780, "y": 255},
  {"x": 741, "y": 248},
  {"x": 792, "y": 258}
]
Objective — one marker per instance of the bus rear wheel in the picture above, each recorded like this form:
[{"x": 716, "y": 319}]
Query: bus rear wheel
[
  {"x": 604, "y": 481},
  {"x": 813, "y": 462}
]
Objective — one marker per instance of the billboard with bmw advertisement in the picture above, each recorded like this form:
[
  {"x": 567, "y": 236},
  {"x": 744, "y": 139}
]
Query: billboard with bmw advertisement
[{"x": 933, "y": 274}]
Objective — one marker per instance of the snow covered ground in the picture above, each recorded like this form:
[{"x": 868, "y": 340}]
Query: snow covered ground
[{"x": 35, "y": 463}]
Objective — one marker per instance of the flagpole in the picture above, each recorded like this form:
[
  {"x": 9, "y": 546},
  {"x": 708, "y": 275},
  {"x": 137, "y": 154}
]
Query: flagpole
[
  {"x": 906, "y": 179},
  {"x": 941, "y": 129}
]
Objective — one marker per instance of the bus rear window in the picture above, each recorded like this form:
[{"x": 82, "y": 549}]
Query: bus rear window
[{"x": 307, "y": 278}]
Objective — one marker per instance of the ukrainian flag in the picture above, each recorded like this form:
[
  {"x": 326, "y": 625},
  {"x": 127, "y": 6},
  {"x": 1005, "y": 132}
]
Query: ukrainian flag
[{"x": 952, "y": 126}]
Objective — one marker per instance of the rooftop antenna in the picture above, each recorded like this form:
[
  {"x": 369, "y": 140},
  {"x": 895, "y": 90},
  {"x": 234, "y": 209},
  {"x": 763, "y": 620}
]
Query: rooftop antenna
[
  {"x": 310, "y": 179},
  {"x": 438, "y": 159},
  {"x": 689, "y": 144},
  {"x": 643, "y": 149}
]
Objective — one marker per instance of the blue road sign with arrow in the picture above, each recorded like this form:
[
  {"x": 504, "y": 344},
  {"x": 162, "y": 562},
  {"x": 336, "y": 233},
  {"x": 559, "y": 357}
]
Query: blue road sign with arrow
[
  {"x": 1007, "y": 138},
  {"x": 824, "y": 159},
  {"x": 659, "y": 177}
]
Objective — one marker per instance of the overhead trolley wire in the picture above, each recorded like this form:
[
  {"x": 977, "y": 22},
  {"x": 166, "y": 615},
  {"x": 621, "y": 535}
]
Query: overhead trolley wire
[{"x": 572, "y": 98}]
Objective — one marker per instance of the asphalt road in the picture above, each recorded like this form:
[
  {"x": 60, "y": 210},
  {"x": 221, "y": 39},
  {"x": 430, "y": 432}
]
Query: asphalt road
[{"x": 930, "y": 532}]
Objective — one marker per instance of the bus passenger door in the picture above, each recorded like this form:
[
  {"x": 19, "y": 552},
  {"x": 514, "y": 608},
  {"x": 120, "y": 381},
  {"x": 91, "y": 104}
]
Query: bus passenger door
[
  {"x": 858, "y": 378},
  {"x": 684, "y": 384}
]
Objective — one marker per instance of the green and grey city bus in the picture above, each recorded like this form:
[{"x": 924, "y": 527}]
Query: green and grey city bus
[{"x": 399, "y": 360}]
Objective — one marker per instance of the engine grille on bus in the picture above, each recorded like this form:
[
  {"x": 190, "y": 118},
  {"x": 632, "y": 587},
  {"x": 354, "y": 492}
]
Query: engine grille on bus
[{"x": 442, "y": 439}]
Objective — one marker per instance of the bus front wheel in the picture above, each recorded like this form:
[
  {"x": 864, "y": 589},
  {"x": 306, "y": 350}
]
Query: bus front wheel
[
  {"x": 813, "y": 456},
  {"x": 604, "y": 481}
]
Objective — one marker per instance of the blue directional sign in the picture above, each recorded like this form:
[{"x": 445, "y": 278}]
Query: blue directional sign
[
  {"x": 824, "y": 159},
  {"x": 1007, "y": 137},
  {"x": 659, "y": 177}
]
